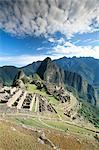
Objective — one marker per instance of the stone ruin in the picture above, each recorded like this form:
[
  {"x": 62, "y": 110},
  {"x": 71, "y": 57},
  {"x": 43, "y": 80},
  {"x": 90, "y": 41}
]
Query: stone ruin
[{"x": 18, "y": 99}]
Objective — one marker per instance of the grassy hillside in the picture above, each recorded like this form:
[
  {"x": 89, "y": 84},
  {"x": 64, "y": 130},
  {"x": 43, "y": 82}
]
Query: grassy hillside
[
  {"x": 15, "y": 137},
  {"x": 7, "y": 74},
  {"x": 90, "y": 113}
]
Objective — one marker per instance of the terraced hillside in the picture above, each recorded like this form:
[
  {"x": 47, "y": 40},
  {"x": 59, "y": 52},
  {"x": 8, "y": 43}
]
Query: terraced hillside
[
  {"x": 54, "y": 102},
  {"x": 43, "y": 121},
  {"x": 22, "y": 100}
]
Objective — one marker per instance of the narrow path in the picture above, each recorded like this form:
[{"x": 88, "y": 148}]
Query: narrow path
[{"x": 49, "y": 126}]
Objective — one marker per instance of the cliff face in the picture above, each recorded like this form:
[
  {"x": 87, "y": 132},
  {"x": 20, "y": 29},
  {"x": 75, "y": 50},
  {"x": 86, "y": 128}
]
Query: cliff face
[
  {"x": 51, "y": 73},
  {"x": 84, "y": 90},
  {"x": 87, "y": 67}
]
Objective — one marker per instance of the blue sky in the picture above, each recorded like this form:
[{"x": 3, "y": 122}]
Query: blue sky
[{"x": 28, "y": 34}]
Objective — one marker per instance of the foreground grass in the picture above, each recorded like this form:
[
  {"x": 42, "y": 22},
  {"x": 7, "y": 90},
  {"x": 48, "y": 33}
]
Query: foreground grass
[{"x": 14, "y": 137}]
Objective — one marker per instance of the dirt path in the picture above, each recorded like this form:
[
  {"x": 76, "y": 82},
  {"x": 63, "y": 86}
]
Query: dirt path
[{"x": 49, "y": 126}]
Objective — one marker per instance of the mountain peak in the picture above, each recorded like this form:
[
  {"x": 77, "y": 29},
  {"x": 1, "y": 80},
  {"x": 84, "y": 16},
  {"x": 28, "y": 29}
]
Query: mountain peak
[
  {"x": 47, "y": 59},
  {"x": 42, "y": 68}
]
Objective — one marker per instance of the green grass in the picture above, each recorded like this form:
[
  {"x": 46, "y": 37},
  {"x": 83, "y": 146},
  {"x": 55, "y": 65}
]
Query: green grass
[
  {"x": 51, "y": 99},
  {"x": 67, "y": 127},
  {"x": 33, "y": 108},
  {"x": 34, "y": 122},
  {"x": 90, "y": 113}
]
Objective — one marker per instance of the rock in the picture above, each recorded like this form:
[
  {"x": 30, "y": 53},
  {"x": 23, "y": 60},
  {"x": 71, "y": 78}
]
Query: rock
[
  {"x": 13, "y": 129},
  {"x": 51, "y": 73},
  {"x": 40, "y": 141}
]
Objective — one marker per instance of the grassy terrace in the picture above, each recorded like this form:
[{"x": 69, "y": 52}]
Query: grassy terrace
[
  {"x": 52, "y": 124},
  {"x": 33, "y": 88},
  {"x": 51, "y": 99},
  {"x": 34, "y": 122},
  {"x": 68, "y": 128}
]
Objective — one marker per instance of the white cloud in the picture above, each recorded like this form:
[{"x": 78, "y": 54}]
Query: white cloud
[
  {"x": 44, "y": 17},
  {"x": 19, "y": 60},
  {"x": 70, "y": 49},
  {"x": 52, "y": 40},
  {"x": 61, "y": 41},
  {"x": 23, "y": 60},
  {"x": 56, "y": 41}
]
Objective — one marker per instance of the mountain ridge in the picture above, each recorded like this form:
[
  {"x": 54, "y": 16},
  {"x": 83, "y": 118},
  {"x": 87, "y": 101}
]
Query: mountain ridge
[
  {"x": 51, "y": 73},
  {"x": 73, "y": 65}
]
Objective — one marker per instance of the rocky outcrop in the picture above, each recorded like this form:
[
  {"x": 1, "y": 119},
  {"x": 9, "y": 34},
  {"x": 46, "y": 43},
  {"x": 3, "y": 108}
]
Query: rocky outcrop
[
  {"x": 85, "y": 90},
  {"x": 20, "y": 79},
  {"x": 51, "y": 73}
]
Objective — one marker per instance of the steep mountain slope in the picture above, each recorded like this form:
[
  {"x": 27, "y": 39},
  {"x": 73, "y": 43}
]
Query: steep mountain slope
[
  {"x": 87, "y": 67},
  {"x": 51, "y": 73},
  {"x": 31, "y": 68},
  {"x": 7, "y": 74}
]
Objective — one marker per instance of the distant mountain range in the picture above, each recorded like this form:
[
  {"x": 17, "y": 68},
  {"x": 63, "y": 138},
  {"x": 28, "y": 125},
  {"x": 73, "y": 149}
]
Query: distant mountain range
[
  {"x": 81, "y": 74},
  {"x": 87, "y": 67}
]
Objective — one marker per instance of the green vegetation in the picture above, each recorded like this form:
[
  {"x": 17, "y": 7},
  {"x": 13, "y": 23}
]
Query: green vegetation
[
  {"x": 71, "y": 89},
  {"x": 7, "y": 74},
  {"x": 25, "y": 79},
  {"x": 90, "y": 113},
  {"x": 33, "y": 88},
  {"x": 33, "y": 122},
  {"x": 52, "y": 124},
  {"x": 36, "y": 77},
  {"x": 68, "y": 127}
]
